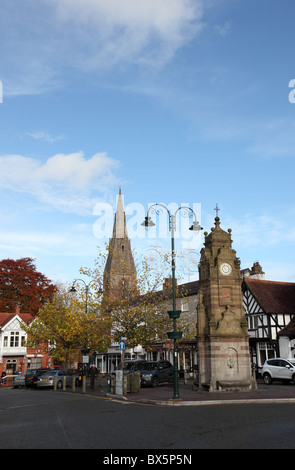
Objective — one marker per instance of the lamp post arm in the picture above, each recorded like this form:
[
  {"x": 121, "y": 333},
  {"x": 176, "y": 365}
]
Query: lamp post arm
[
  {"x": 161, "y": 205},
  {"x": 79, "y": 280},
  {"x": 86, "y": 291},
  {"x": 187, "y": 208}
]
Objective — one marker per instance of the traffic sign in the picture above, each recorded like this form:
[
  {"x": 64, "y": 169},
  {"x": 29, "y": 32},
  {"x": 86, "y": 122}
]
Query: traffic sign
[{"x": 121, "y": 344}]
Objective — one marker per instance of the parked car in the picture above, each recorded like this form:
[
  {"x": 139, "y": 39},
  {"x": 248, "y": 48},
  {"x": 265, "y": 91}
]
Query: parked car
[
  {"x": 155, "y": 372},
  {"x": 32, "y": 376},
  {"x": 19, "y": 380},
  {"x": 47, "y": 379},
  {"x": 130, "y": 366},
  {"x": 278, "y": 369}
]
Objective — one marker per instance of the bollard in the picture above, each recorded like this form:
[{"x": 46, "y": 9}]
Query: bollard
[
  {"x": 64, "y": 383},
  {"x": 113, "y": 383},
  {"x": 84, "y": 384},
  {"x": 125, "y": 384},
  {"x": 98, "y": 380},
  {"x": 74, "y": 383},
  {"x": 55, "y": 383}
]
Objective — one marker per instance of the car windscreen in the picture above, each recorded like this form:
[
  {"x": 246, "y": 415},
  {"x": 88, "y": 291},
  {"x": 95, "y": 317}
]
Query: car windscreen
[
  {"x": 147, "y": 366},
  {"x": 128, "y": 365}
]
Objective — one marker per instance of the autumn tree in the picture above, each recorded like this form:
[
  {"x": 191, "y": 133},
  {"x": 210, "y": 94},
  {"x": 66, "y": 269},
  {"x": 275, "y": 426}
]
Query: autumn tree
[
  {"x": 67, "y": 327},
  {"x": 21, "y": 284},
  {"x": 135, "y": 307}
]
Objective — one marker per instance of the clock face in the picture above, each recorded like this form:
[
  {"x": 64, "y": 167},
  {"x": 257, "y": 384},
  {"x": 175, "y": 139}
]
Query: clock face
[{"x": 225, "y": 269}]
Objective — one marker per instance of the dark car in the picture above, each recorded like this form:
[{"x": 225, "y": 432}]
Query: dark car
[
  {"x": 32, "y": 376},
  {"x": 155, "y": 372},
  {"x": 130, "y": 366}
]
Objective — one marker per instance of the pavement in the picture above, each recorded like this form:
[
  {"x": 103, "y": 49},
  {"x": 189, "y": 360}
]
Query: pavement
[{"x": 163, "y": 395}]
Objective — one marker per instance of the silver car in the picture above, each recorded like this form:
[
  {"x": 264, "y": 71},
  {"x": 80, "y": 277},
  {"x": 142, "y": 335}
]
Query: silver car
[
  {"x": 278, "y": 369},
  {"x": 19, "y": 380},
  {"x": 47, "y": 379}
]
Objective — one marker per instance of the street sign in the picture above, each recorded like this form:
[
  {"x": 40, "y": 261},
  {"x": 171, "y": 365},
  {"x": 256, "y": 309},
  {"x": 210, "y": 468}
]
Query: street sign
[{"x": 121, "y": 344}]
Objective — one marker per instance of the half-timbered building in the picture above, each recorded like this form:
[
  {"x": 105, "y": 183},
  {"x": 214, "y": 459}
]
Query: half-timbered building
[{"x": 269, "y": 308}]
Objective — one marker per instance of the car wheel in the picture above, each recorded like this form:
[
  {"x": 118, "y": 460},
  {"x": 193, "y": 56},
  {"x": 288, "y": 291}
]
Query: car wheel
[
  {"x": 293, "y": 379},
  {"x": 155, "y": 382},
  {"x": 59, "y": 384},
  {"x": 267, "y": 379}
]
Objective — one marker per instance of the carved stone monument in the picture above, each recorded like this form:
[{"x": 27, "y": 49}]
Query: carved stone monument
[{"x": 222, "y": 332}]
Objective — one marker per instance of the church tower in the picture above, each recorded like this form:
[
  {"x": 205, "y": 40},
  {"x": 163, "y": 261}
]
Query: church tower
[
  {"x": 120, "y": 272},
  {"x": 222, "y": 333}
]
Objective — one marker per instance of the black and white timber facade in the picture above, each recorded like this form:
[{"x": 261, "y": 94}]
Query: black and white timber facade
[{"x": 269, "y": 308}]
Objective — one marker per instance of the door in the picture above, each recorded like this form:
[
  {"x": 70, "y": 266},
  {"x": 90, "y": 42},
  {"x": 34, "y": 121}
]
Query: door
[
  {"x": 285, "y": 370},
  {"x": 164, "y": 371}
]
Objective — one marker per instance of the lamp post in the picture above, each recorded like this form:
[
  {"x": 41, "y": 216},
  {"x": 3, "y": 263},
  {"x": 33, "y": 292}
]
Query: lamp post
[
  {"x": 173, "y": 314},
  {"x": 73, "y": 290}
]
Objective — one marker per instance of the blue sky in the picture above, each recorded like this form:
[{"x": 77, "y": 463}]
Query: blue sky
[{"x": 178, "y": 101}]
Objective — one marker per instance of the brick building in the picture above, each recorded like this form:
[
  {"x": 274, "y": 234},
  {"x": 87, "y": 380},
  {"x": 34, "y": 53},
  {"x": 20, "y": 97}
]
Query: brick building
[{"x": 15, "y": 357}]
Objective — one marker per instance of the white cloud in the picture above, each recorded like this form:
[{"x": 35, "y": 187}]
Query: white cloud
[
  {"x": 43, "y": 38},
  {"x": 45, "y": 136},
  {"x": 255, "y": 232},
  {"x": 63, "y": 181},
  {"x": 149, "y": 31},
  {"x": 223, "y": 30}
]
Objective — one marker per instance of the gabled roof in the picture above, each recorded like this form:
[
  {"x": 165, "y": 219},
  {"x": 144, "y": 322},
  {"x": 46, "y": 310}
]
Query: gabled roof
[
  {"x": 5, "y": 318},
  {"x": 273, "y": 296},
  {"x": 289, "y": 330},
  {"x": 182, "y": 290},
  {"x": 189, "y": 288}
]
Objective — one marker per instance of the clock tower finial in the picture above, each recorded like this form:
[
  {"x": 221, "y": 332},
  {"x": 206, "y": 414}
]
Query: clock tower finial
[
  {"x": 217, "y": 210},
  {"x": 217, "y": 219}
]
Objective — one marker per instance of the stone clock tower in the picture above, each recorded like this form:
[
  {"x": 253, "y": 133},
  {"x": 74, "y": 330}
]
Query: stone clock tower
[{"x": 222, "y": 333}]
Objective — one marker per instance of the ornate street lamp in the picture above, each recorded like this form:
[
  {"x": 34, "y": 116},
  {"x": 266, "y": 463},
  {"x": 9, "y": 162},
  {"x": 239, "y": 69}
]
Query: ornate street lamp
[
  {"x": 73, "y": 290},
  {"x": 173, "y": 314}
]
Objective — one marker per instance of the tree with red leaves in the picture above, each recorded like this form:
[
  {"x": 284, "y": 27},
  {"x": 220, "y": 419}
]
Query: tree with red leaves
[{"x": 21, "y": 284}]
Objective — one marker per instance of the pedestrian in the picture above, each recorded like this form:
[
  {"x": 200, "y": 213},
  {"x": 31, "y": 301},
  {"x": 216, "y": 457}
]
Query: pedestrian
[{"x": 2, "y": 377}]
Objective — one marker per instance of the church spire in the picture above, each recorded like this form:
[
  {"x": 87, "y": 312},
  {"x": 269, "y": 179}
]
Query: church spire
[
  {"x": 120, "y": 267},
  {"x": 120, "y": 229}
]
